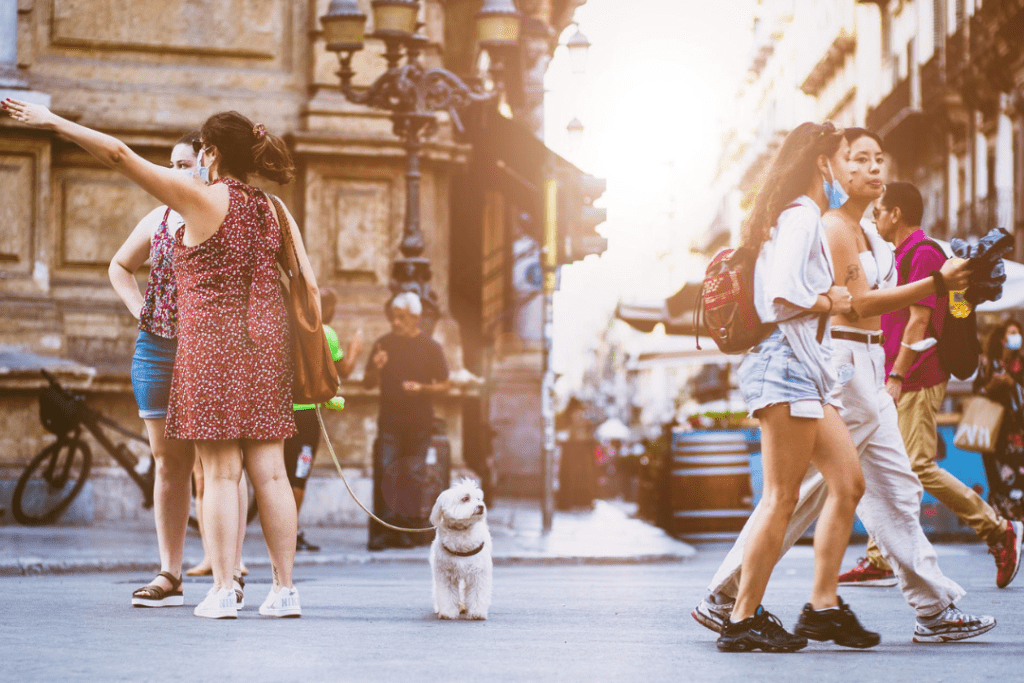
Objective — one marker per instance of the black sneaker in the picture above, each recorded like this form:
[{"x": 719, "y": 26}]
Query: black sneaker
[
  {"x": 839, "y": 625},
  {"x": 302, "y": 544},
  {"x": 763, "y": 631}
]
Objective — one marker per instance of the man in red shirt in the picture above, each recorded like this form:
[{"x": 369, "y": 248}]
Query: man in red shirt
[{"x": 917, "y": 383}]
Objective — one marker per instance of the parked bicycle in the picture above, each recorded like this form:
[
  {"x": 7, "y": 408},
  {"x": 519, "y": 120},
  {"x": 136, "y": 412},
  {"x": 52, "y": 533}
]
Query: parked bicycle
[{"x": 57, "y": 474}]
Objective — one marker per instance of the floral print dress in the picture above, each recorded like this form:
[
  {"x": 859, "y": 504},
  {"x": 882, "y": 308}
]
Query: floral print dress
[
  {"x": 159, "y": 313},
  {"x": 233, "y": 372}
]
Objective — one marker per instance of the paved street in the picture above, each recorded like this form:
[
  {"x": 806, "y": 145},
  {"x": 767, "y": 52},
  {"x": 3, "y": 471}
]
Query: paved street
[{"x": 369, "y": 622}]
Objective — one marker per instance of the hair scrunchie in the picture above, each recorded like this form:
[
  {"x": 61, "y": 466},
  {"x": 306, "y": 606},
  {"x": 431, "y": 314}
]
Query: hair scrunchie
[{"x": 260, "y": 131}]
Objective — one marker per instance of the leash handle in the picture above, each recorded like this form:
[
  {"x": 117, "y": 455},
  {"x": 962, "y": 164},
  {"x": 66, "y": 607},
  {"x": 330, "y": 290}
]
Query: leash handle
[{"x": 337, "y": 465}]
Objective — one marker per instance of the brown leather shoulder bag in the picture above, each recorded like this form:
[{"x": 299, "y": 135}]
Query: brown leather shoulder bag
[{"x": 316, "y": 378}]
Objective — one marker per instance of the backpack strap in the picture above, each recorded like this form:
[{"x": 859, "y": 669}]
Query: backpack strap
[{"x": 908, "y": 258}]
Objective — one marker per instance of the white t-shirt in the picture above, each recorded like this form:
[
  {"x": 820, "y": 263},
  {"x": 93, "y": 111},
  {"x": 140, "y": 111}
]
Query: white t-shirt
[{"x": 793, "y": 268}]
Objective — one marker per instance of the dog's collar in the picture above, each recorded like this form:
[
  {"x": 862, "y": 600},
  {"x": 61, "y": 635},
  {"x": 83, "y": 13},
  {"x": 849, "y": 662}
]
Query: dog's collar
[{"x": 467, "y": 553}]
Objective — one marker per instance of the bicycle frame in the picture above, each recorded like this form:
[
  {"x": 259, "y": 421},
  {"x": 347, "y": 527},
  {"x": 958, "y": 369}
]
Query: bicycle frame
[{"x": 92, "y": 421}]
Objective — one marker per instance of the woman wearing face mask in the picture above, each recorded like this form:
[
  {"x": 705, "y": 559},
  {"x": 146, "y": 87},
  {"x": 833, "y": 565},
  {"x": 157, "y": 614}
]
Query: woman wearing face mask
[
  {"x": 890, "y": 507},
  {"x": 231, "y": 390},
  {"x": 152, "y": 367},
  {"x": 786, "y": 381},
  {"x": 1001, "y": 378}
]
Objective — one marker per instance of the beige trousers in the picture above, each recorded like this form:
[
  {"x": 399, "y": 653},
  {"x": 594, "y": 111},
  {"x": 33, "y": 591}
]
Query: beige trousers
[
  {"x": 917, "y": 410},
  {"x": 891, "y": 505}
]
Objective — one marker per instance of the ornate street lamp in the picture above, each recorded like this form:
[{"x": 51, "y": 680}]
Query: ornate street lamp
[
  {"x": 413, "y": 95},
  {"x": 579, "y": 48}
]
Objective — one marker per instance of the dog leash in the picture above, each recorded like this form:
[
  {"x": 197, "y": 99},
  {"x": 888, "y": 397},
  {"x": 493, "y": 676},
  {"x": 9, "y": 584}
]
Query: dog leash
[{"x": 337, "y": 465}]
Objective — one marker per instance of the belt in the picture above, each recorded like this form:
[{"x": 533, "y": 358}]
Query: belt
[{"x": 863, "y": 337}]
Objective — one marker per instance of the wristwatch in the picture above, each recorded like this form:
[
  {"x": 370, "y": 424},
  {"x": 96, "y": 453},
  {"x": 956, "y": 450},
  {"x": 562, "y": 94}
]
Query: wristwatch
[{"x": 896, "y": 376}]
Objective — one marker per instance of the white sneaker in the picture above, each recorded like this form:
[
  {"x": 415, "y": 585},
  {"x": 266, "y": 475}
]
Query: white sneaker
[
  {"x": 218, "y": 604},
  {"x": 951, "y": 624},
  {"x": 283, "y": 603},
  {"x": 712, "y": 614}
]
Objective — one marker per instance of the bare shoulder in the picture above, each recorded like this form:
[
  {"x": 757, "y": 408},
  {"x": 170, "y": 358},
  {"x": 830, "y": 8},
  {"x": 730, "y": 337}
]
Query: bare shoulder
[{"x": 838, "y": 232}]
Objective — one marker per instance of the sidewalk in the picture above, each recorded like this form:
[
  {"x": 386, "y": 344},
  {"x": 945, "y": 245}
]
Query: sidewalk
[{"x": 608, "y": 534}]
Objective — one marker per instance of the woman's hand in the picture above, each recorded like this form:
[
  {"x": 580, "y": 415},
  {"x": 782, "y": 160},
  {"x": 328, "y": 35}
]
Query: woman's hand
[
  {"x": 842, "y": 300},
  {"x": 33, "y": 115},
  {"x": 956, "y": 273}
]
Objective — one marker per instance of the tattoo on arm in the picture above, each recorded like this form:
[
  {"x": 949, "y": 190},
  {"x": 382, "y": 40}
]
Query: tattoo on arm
[{"x": 852, "y": 273}]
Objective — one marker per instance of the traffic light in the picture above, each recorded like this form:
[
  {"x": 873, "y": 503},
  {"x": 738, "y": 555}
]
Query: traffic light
[{"x": 578, "y": 218}]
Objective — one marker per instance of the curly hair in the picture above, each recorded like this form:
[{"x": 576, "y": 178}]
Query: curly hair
[{"x": 790, "y": 174}]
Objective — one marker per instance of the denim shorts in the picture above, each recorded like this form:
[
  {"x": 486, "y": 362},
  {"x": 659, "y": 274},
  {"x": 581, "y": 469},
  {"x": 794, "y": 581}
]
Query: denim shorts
[
  {"x": 152, "y": 368},
  {"x": 770, "y": 374}
]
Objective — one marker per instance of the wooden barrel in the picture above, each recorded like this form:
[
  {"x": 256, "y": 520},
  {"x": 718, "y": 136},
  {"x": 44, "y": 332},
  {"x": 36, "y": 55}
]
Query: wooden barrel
[{"x": 711, "y": 493}]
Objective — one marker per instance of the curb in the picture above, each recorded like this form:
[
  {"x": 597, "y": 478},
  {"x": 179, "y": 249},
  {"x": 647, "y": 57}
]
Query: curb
[{"x": 30, "y": 566}]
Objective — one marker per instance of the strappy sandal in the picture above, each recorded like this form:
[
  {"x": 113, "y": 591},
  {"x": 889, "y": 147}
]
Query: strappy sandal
[
  {"x": 155, "y": 596},
  {"x": 239, "y": 584}
]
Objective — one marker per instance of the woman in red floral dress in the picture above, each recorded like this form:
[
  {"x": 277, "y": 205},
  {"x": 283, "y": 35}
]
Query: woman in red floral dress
[{"x": 231, "y": 388}]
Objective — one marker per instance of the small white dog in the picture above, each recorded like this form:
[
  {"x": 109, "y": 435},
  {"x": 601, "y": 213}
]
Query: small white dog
[{"x": 460, "y": 556}]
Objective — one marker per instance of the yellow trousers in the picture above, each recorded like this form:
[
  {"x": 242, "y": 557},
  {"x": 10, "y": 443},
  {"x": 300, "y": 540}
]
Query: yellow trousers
[{"x": 916, "y": 413}]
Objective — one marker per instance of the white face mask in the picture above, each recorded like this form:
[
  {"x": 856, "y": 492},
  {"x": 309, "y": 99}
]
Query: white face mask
[
  {"x": 1013, "y": 342},
  {"x": 202, "y": 172}
]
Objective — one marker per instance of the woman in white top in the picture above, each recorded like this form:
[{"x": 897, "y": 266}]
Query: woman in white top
[{"x": 787, "y": 380}]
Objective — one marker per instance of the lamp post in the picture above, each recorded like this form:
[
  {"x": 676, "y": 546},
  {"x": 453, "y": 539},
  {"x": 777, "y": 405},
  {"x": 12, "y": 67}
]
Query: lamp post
[{"x": 413, "y": 94}]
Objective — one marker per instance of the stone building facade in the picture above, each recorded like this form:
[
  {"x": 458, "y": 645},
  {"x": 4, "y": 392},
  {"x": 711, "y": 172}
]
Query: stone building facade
[
  {"x": 147, "y": 72},
  {"x": 940, "y": 80}
]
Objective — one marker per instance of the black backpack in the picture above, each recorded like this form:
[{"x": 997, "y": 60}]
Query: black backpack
[{"x": 958, "y": 347}]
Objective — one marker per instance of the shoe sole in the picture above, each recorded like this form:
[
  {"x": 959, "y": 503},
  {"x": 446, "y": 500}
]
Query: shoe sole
[
  {"x": 741, "y": 646},
  {"x": 281, "y": 614},
  {"x": 1018, "y": 530},
  {"x": 872, "y": 583},
  {"x": 953, "y": 636},
  {"x": 173, "y": 601},
  {"x": 860, "y": 644},
  {"x": 216, "y": 615},
  {"x": 706, "y": 621}
]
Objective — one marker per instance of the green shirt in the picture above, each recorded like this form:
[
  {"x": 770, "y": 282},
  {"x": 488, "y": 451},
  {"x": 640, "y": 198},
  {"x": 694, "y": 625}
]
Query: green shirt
[{"x": 336, "y": 355}]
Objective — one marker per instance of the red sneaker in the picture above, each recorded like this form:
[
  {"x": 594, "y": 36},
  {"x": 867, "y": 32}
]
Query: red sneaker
[
  {"x": 867, "y": 574},
  {"x": 1007, "y": 554}
]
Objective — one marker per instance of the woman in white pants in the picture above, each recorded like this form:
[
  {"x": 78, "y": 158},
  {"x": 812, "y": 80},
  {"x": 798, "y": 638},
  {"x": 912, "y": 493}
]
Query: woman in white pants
[{"x": 891, "y": 505}]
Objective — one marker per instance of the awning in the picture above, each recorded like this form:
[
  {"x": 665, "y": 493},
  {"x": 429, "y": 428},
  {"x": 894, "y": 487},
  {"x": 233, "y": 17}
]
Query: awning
[{"x": 675, "y": 312}]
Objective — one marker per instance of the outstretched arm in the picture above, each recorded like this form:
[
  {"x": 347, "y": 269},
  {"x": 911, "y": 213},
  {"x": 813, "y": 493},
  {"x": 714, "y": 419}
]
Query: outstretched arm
[{"x": 171, "y": 187}]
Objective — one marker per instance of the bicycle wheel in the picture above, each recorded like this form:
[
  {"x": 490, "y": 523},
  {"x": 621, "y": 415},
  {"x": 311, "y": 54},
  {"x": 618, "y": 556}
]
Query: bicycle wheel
[
  {"x": 250, "y": 514},
  {"x": 51, "y": 481}
]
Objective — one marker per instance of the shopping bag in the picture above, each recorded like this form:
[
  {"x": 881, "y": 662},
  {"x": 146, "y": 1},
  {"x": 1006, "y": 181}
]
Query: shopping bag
[{"x": 979, "y": 425}]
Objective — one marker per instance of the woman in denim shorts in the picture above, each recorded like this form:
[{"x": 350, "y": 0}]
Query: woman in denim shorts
[
  {"x": 786, "y": 381},
  {"x": 152, "y": 367}
]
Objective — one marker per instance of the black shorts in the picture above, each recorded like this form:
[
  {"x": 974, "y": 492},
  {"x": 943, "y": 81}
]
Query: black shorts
[{"x": 307, "y": 437}]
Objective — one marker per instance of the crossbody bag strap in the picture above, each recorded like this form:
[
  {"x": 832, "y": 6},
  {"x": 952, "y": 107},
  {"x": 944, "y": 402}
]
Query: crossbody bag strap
[{"x": 287, "y": 243}]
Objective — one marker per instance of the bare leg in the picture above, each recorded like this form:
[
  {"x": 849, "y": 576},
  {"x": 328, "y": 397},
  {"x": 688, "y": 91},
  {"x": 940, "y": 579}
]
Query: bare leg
[
  {"x": 203, "y": 568},
  {"x": 222, "y": 469},
  {"x": 171, "y": 493},
  {"x": 243, "y": 512},
  {"x": 264, "y": 461},
  {"x": 786, "y": 447},
  {"x": 836, "y": 458}
]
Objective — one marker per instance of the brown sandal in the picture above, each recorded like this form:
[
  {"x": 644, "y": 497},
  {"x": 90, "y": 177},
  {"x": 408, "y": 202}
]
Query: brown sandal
[{"x": 154, "y": 596}]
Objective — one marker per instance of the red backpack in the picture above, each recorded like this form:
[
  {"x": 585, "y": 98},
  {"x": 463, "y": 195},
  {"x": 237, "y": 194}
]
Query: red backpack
[{"x": 726, "y": 302}]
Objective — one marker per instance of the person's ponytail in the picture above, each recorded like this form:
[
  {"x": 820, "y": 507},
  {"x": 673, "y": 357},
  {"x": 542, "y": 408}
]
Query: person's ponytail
[
  {"x": 271, "y": 158},
  {"x": 247, "y": 148}
]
